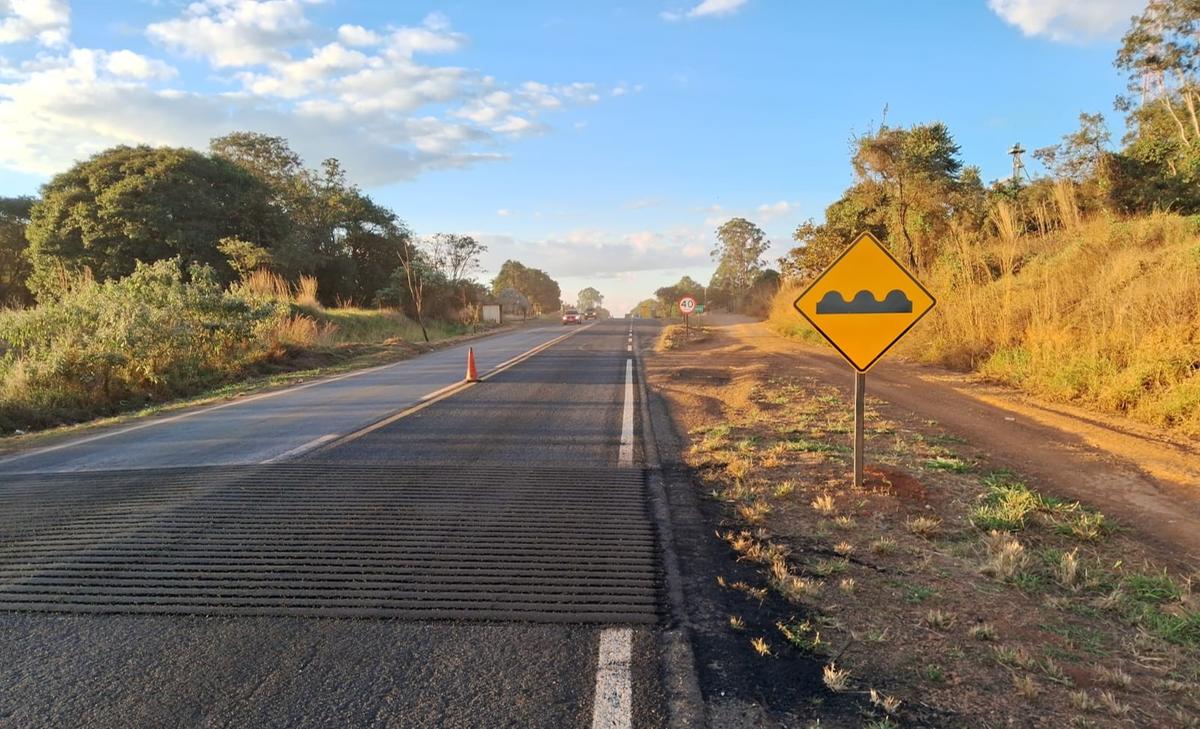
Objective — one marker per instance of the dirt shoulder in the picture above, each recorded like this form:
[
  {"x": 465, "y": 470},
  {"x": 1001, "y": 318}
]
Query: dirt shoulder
[
  {"x": 1006, "y": 565},
  {"x": 1144, "y": 478}
]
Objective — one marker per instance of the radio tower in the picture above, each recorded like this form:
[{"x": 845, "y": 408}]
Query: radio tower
[{"x": 1018, "y": 166}]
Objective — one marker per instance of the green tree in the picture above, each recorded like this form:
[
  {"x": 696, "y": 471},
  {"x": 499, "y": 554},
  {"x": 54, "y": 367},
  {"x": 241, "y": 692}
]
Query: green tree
[
  {"x": 910, "y": 176},
  {"x": 131, "y": 204},
  {"x": 1160, "y": 164},
  {"x": 590, "y": 298},
  {"x": 539, "y": 288},
  {"x": 458, "y": 257},
  {"x": 14, "y": 264},
  {"x": 669, "y": 296},
  {"x": 739, "y": 251},
  {"x": 513, "y": 302}
]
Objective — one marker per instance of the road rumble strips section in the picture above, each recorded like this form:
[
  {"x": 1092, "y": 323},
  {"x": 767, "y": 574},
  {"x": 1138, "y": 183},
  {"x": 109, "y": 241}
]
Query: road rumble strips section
[{"x": 435, "y": 542}]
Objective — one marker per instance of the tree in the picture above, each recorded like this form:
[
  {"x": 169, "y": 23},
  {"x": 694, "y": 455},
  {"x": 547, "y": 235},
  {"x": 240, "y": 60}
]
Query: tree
[
  {"x": 1161, "y": 55},
  {"x": 512, "y": 301},
  {"x": 669, "y": 296},
  {"x": 910, "y": 175},
  {"x": 244, "y": 258},
  {"x": 14, "y": 265},
  {"x": 417, "y": 273},
  {"x": 590, "y": 298},
  {"x": 131, "y": 204},
  {"x": 457, "y": 257},
  {"x": 541, "y": 290},
  {"x": 740, "y": 247}
]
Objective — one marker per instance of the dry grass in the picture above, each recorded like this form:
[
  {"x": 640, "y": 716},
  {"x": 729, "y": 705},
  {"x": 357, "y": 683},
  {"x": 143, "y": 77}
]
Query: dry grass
[
  {"x": 1005, "y": 556},
  {"x": 1100, "y": 313},
  {"x": 912, "y": 611},
  {"x": 824, "y": 504},
  {"x": 836, "y": 679},
  {"x": 926, "y": 527}
]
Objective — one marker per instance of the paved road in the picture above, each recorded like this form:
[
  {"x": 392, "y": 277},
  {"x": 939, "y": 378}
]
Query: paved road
[
  {"x": 262, "y": 427},
  {"x": 554, "y": 422}
]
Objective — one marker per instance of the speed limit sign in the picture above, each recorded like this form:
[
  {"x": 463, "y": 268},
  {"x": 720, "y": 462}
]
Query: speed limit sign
[{"x": 687, "y": 305}]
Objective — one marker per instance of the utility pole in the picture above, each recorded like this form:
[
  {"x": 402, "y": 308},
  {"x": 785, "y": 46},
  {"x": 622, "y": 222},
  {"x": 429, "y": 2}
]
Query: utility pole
[{"x": 1018, "y": 166}]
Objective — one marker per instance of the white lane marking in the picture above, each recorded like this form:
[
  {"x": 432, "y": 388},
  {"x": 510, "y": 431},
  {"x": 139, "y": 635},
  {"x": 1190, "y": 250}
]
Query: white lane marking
[
  {"x": 625, "y": 454},
  {"x": 628, "y": 347},
  {"x": 302, "y": 449},
  {"x": 612, "y": 707},
  {"x": 240, "y": 401}
]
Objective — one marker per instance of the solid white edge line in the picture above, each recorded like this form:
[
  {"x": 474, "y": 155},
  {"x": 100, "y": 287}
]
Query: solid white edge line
[
  {"x": 240, "y": 401},
  {"x": 612, "y": 706},
  {"x": 301, "y": 449},
  {"x": 625, "y": 454}
]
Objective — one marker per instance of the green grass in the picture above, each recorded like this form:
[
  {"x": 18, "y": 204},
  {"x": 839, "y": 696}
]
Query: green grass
[
  {"x": 1154, "y": 588},
  {"x": 1007, "y": 504},
  {"x": 803, "y": 445},
  {"x": 375, "y": 326},
  {"x": 918, "y": 594},
  {"x": 949, "y": 463}
]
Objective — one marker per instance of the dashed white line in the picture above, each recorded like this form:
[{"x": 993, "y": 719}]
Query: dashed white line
[
  {"x": 612, "y": 707},
  {"x": 625, "y": 454}
]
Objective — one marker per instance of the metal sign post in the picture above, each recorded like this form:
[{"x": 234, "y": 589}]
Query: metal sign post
[
  {"x": 860, "y": 402},
  {"x": 686, "y": 306},
  {"x": 863, "y": 304}
]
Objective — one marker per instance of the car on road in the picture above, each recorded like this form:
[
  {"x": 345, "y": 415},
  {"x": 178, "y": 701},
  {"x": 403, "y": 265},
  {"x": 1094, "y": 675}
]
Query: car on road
[
  {"x": 589, "y": 315},
  {"x": 570, "y": 316}
]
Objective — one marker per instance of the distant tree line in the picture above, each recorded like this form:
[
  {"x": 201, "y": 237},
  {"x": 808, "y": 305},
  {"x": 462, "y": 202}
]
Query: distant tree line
[{"x": 249, "y": 203}]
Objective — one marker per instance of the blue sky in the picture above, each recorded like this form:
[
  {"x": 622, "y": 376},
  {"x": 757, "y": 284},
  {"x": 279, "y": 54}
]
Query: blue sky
[{"x": 602, "y": 142}]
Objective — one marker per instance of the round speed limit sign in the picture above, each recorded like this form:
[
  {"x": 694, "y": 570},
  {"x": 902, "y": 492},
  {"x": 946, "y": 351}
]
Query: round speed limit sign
[{"x": 687, "y": 305}]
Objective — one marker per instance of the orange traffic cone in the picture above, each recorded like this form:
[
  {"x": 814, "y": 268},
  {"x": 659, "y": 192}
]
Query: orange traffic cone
[{"x": 472, "y": 375}]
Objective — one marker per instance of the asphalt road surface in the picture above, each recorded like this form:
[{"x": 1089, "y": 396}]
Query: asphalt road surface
[
  {"x": 277, "y": 424},
  {"x": 303, "y": 559}
]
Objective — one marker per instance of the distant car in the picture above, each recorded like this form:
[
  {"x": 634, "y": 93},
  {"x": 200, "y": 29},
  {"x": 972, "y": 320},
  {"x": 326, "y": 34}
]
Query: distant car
[
  {"x": 589, "y": 314},
  {"x": 571, "y": 317}
]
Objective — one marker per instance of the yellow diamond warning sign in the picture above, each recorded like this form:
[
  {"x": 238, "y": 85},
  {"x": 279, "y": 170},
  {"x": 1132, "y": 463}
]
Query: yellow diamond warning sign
[{"x": 864, "y": 302}]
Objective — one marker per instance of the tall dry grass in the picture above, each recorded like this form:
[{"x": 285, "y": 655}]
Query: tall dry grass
[{"x": 1105, "y": 314}]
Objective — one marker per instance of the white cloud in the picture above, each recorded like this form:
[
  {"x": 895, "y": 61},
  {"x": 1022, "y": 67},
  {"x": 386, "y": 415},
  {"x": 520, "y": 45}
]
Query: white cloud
[
  {"x": 356, "y": 35},
  {"x": 385, "y": 115},
  {"x": 128, "y": 64},
  {"x": 46, "y": 21},
  {"x": 236, "y": 32},
  {"x": 504, "y": 213},
  {"x": 706, "y": 9},
  {"x": 1068, "y": 20},
  {"x": 769, "y": 212}
]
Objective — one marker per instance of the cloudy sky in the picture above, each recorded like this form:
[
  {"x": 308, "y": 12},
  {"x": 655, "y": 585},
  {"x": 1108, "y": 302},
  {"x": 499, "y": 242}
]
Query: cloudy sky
[{"x": 600, "y": 141}]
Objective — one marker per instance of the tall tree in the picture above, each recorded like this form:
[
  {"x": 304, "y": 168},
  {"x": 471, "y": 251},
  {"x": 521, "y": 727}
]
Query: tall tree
[
  {"x": 542, "y": 290},
  {"x": 739, "y": 251},
  {"x": 14, "y": 265},
  {"x": 417, "y": 273},
  {"x": 914, "y": 172},
  {"x": 458, "y": 257},
  {"x": 590, "y": 298},
  {"x": 131, "y": 204}
]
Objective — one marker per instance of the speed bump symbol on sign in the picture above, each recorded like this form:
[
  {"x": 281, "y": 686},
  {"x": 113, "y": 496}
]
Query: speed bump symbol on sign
[{"x": 864, "y": 302}]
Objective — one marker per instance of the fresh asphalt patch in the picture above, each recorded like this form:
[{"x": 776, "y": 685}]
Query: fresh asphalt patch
[
  {"x": 456, "y": 568},
  {"x": 483, "y": 543}
]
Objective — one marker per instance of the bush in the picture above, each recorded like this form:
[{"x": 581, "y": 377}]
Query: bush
[{"x": 103, "y": 347}]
